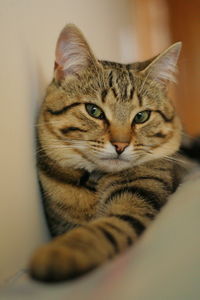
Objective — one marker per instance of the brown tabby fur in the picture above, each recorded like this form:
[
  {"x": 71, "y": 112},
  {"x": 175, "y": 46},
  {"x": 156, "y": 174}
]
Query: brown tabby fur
[{"x": 109, "y": 198}]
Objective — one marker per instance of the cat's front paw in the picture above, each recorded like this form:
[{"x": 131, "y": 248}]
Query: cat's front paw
[{"x": 54, "y": 262}]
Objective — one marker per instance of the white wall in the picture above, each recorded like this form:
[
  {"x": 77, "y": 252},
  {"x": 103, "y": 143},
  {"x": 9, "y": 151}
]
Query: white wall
[{"x": 28, "y": 33}]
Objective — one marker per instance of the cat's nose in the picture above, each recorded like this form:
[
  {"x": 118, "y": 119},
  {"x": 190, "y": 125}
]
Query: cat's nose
[{"x": 120, "y": 147}]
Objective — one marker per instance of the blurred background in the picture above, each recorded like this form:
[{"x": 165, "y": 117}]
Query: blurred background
[
  {"x": 118, "y": 30},
  {"x": 159, "y": 23}
]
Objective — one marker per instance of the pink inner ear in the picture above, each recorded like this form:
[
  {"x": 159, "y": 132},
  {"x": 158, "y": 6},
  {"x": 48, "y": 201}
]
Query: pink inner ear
[
  {"x": 163, "y": 67},
  {"x": 58, "y": 71},
  {"x": 55, "y": 65},
  {"x": 61, "y": 47}
]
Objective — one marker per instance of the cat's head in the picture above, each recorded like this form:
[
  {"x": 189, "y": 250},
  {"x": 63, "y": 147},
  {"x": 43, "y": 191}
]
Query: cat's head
[{"x": 100, "y": 115}]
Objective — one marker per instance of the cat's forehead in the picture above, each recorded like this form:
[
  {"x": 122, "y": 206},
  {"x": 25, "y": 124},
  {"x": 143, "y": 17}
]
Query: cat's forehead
[
  {"x": 113, "y": 79},
  {"x": 119, "y": 83}
]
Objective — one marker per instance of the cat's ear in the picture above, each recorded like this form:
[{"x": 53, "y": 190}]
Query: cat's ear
[
  {"x": 73, "y": 53},
  {"x": 163, "y": 67}
]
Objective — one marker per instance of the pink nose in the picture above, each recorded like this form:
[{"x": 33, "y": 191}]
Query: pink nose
[{"x": 119, "y": 147}]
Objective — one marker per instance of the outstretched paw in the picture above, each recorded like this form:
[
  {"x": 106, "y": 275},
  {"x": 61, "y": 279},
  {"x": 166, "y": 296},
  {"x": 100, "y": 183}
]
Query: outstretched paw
[
  {"x": 80, "y": 250},
  {"x": 53, "y": 263}
]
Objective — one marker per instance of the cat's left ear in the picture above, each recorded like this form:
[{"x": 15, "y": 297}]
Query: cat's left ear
[
  {"x": 163, "y": 67},
  {"x": 73, "y": 54}
]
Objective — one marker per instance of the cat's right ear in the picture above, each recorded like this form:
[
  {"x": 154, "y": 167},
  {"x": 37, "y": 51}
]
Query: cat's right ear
[
  {"x": 73, "y": 54},
  {"x": 163, "y": 67}
]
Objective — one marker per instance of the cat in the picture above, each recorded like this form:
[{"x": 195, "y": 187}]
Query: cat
[{"x": 107, "y": 143}]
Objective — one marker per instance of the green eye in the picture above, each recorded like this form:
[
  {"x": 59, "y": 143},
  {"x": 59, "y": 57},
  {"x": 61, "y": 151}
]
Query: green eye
[
  {"x": 142, "y": 117},
  {"x": 94, "y": 111}
]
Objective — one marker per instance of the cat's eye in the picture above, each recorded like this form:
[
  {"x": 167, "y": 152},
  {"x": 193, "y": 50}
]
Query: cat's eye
[
  {"x": 94, "y": 111},
  {"x": 142, "y": 116}
]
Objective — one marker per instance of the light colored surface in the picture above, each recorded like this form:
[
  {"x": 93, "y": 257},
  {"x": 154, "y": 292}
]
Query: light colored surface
[
  {"x": 163, "y": 265},
  {"x": 28, "y": 31}
]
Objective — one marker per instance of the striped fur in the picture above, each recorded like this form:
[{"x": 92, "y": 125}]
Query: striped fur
[{"x": 103, "y": 180}]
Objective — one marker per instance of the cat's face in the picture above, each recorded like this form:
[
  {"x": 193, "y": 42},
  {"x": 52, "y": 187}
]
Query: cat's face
[{"x": 106, "y": 116}]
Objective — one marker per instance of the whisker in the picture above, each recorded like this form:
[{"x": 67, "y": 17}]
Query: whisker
[{"x": 174, "y": 159}]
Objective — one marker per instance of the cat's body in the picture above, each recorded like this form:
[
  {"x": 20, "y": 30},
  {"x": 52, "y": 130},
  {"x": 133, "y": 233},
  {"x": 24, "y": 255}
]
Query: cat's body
[{"x": 107, "y": 142}]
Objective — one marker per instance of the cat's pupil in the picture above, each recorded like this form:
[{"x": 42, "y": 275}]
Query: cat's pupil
[
  {"x": 139, "y": 116},
  {"x": 94, "y": 110}
]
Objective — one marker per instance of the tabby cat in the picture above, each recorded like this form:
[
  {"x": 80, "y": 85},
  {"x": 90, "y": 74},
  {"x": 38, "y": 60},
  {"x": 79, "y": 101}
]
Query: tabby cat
[{"x": 107, "y": 141}]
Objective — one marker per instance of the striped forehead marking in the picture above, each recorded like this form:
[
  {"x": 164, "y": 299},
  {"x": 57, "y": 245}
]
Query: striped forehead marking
[{"x": 121, "y": 83}]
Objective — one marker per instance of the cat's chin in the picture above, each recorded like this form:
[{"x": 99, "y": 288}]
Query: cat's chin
[{"x": 113, "y": 165}]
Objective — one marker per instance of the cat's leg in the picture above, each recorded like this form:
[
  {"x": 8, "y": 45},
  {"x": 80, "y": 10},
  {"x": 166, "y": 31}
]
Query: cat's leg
[
  {"x": 81, "y": 250},
  {"x": 128, "y": 208},
  {"x": 88, "y": 246}
]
